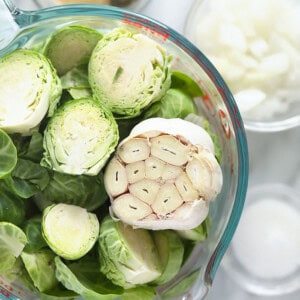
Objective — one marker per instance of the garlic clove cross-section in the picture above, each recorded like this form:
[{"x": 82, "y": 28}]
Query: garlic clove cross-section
[{"x": 163, "y": 175}]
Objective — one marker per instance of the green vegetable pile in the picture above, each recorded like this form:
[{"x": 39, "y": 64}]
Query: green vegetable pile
[{"x": 63, "y": 110}]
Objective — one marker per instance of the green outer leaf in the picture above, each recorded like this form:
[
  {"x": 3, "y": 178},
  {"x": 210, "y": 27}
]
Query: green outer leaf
[
  {"x": 12, "y": 208},
  {"x": 140, "y": 292},
  {"x": 85, "y": 191},
  {"x": 181, "y": 287},
  {"x": 12, "y": 242},
  {"x": 86, "y": 285},
  {"x": 27, "y": 179},
  {"x": 76, "y": 78},
  {"x": 66, "y": 136},
  {"x": 170, "y": 250},
  {"x": 60, "y": 47},
  {"x": 41, "y": 268},
  {"x": 198, "y": 234},
  {"x": 58, "y": 293},
  {"x": 33, "y": 230},
  {"x": 8, "y": 154},
  {"x": 34, "y": 150},
  {"x": 174, "y": 104},
  {"x": 18, "y": 273},
  {"x": 185, "y": 83}
]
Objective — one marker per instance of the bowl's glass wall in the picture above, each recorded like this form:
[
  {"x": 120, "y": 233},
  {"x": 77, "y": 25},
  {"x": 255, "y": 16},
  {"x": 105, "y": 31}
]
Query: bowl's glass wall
[{"x": 217, "y": 105}]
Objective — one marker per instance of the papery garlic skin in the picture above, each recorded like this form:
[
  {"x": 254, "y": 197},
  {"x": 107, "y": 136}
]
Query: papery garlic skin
[{"x": 163, "y": 175}]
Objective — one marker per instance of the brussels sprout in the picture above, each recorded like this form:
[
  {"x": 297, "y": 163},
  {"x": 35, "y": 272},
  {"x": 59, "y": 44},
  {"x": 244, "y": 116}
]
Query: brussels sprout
[
  {"x": 128, "y": 71},
  {"x": 85, "y": 191},
  {"x": 41, "y": 268},
  {"x": 170, "y": 250},
  {"x": 8, "y": 153},
  {"x": 29, "y": 88},
  {"x": 12, "y": 208},
  {"x": 12, "y": 243},
  {"x": 127, "y": 256},
  {"x": 79, "y": 138},
  {"x": 71, "y": 46},
  {"x": 69, "y": 230},
  {"x": 174, "y": 104}
]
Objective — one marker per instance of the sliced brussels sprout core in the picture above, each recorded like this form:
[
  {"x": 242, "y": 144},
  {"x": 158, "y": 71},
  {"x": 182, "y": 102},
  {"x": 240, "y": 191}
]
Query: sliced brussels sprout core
[
  {"x": 127, "y": 256},
  {"x": 127, "y": 87},
  {"x": 71, "y": 46},
  {"x": 170, "y": 249},
  {"x": 69, "y": 230},
  {"x": 29, "y": 88},
  {"x": 176, "y": 175},
  {"x": 79, "y": 138},
  {"x": 12, "y": 243}
]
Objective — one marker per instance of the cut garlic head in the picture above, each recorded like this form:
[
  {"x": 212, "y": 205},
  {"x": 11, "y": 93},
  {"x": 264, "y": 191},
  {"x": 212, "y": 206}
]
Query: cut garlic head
[{"x": 163, "y": 175}]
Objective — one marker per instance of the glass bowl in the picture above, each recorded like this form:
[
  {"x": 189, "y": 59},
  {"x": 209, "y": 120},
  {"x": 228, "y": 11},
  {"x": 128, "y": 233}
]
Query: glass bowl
[
  {"x": 134, "y": 5},
  {"x": 257, "y": 54},
  {"x": 217, "y": 105}
]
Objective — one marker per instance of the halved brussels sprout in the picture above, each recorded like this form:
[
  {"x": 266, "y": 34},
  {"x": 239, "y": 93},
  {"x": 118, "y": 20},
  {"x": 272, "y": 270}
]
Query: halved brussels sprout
[
  {"x": 69, "y": 230},
  {"x": 29, "y": 88},
  {"x": 127, "y": 256},
  {"x": 128, "y": 71},
  {"x": 71, "y": 46},
  {"x": 79, "y": 138}
]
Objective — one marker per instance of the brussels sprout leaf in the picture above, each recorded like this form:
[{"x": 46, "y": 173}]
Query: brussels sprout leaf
[{"x": 8, "y": 154}]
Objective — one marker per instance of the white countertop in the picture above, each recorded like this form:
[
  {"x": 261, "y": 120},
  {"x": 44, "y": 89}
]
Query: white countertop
[{"x": 274, "y": 157}]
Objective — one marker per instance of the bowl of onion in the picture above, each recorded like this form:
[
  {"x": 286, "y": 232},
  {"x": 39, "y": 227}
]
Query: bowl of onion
[{"x": 257, "y": 53}]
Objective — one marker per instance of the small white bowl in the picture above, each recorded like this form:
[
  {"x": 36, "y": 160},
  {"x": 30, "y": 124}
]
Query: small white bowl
[{"x": 264, "y": 254}]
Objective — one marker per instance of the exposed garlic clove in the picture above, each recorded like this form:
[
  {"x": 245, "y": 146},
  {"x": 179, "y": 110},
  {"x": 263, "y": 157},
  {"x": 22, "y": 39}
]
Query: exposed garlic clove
[
  {"x": 185, "y": 188},
  {"x": 195, "y": 134},
  {"x": 150, "y": 134},
  {"x": 205, "y": 174},
  {"x": 133, "y": 149},
  {"x": 130, "y": 209},
  {"x": 171, "y": 172},
  {"x": 188, "y": 216},
  {"x": 135, "y": 171},
  {"x": 154, "y": 167},
  {"x": 115, "y": 179},
  {"x": 167, "y": 200},
  {"x": 145, "y": 190},
  {"x": 169, "y": 149}
]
